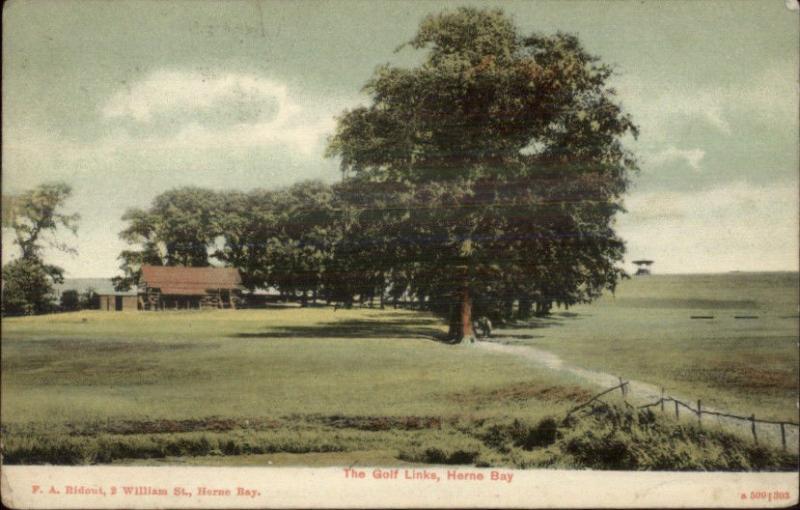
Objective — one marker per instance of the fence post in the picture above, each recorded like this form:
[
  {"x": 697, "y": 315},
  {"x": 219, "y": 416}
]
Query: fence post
[
  {"x": 622, "y": 387},
  {"x": 783, "y": 436},
  {"x": 753, "y": 427},
  {"x": 662, "y": 399},
  {"x": 677, "y": 413},
  {"x": 699, "y": 413}
]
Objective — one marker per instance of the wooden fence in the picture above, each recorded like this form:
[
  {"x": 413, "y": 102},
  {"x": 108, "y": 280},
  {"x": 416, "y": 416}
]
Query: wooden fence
[{"x": 624, "y": 387}]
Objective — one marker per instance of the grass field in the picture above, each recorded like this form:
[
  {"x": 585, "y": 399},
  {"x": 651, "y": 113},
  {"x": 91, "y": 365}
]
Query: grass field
[
  {"x": 645, "y": 332},
  {"x": 180, "y": 365},
  {"x": 318, "y": 387},
  {"x": 284, "y": 380}
]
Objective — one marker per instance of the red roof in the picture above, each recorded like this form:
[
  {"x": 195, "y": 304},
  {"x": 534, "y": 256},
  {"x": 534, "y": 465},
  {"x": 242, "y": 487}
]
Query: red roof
[{"x": 190, "y": 281}]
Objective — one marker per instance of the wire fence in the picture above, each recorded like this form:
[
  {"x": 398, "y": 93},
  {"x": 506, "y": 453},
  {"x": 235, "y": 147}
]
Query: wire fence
[{"x": 624, "y": 388}]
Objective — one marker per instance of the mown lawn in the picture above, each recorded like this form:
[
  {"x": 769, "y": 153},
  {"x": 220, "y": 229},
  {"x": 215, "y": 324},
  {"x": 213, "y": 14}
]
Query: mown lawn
[{"x": 645, "y": 332}]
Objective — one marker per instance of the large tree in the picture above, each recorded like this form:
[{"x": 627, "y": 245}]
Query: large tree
[{"x": 507, "y": 156}]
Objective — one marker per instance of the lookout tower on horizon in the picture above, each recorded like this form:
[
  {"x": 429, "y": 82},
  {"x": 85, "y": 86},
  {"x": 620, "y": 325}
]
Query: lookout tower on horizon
[{"x": 643, "y": 267}]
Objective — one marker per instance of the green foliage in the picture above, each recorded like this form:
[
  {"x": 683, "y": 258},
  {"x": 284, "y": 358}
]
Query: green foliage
[
  {"x": 612, "y": 438},
  {"x": 27, "y": 287},
  {"x": 179, "y": 228},
  {"x": 35, "y": 219},
  {"x": 625, "y": 439},
  {"x": 70, "y": 300},
  {"x": 443, "y": 448},
  {"x": 89, "y": 300},
  {"x": 505, "y": 157},
  {"x": 248, "y": 224}
]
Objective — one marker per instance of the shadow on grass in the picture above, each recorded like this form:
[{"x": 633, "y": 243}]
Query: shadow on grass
[
  {"x": 515, "y": 336},
  {"x": 417, "y": 328},
  {"x": 537, "y": 322}
]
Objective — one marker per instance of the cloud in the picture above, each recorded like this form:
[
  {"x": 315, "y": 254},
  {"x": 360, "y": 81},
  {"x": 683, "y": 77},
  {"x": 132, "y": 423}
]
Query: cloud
[
  {"x": 693, "y": 157},
  {"x": 737, "y": 226},
  {"x": 188, "y": 110},
  {"x": 164, "y": 92},
  {"x": 655, "y": 106},
  {"x": 658, "y": 106}
]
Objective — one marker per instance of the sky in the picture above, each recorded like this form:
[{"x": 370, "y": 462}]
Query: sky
[{"x": 126, "y": 99}]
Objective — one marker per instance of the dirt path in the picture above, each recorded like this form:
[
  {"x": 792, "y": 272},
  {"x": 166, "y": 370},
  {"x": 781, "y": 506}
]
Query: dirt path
[{"x": 641, "y": 393}]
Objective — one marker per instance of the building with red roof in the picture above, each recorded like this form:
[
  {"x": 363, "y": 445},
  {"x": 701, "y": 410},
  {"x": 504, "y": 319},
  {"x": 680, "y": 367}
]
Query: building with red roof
[{"x": 177, "y": 287}]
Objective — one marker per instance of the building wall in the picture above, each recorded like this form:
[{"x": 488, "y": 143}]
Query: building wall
[
  {"x": 130, "y": 303},
  {"x": 108, "y": 303}
]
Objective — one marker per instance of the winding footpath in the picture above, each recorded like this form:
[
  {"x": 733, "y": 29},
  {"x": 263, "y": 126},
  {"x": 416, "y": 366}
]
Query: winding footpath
[{"x": 641, "y": 393}]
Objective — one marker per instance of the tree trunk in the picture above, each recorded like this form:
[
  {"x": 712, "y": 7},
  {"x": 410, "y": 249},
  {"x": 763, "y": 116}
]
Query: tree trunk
[
  {"x": 304, "y": 299},
  {"x": 524, "y": 307},
  {"x": 467, "y": 334},
  {"x": 453, "y": 322},
  {"x": 461, "y": 319},
  {"x": 542, "y": 308},
  {"x": 508, "y": 309}
]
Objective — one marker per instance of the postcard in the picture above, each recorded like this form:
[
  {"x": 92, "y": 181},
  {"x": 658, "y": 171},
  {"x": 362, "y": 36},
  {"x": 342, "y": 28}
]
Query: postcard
[{"x": 373, "y": 254}]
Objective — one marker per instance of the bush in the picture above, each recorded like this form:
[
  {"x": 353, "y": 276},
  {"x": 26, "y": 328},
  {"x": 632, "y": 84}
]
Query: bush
[
  {"x": 443, "y": 448},
  {"x": 615, "y": 438},
  {"x": 543, "y": 434},
  {"x": 90, "y": 300},
  {"x": 27, "y": 287},
  {"x": 70, "y": 301}
]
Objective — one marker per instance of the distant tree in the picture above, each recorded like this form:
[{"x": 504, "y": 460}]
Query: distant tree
[
  {"x": 306, "y": 238},
  {"x": 179, "y": 229},
  {"x": 186, "y": 223},
  {"x": 248, "y": 226},
  {"x": 70, "y": 300},
  {"x": 37, "y": 217},
  {"x": 507, "y": 156},
  {"x": 36, "y": 220}
]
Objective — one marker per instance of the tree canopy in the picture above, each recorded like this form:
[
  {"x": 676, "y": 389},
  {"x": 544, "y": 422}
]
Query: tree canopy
[{"x": 506, "y": 152}]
